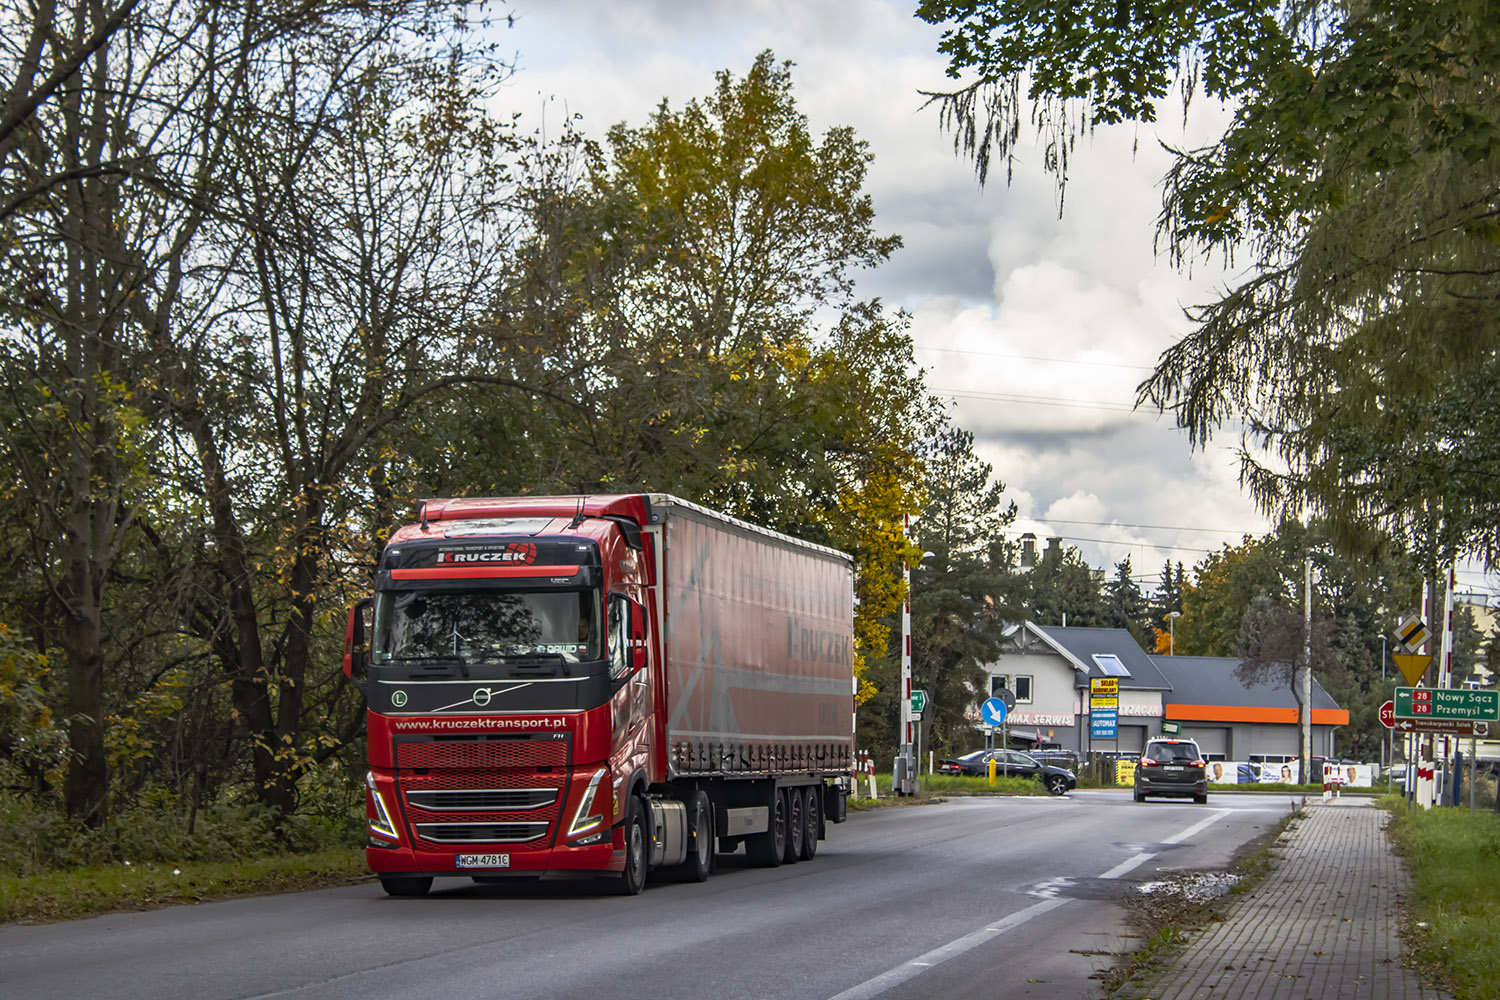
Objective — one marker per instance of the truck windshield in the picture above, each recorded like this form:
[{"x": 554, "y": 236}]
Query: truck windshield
[{"x": 481, "y": 626}]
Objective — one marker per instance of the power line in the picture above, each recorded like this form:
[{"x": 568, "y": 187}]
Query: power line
[
  {"x": 1025, "y": 357},
  {"x": 1005, "y": 397}
]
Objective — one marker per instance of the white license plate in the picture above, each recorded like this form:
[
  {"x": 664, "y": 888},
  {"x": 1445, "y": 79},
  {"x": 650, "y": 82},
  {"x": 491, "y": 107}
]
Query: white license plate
[
  {"x": 481, "y": 860},
  {"x": 1174, "y": 770}
]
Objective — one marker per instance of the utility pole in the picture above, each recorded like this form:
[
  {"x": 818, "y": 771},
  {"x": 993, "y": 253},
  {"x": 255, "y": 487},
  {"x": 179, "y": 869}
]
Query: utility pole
[{"x": 1307, "y": 677}]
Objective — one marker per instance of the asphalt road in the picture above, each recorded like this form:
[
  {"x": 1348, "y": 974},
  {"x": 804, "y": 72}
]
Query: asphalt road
[{"x": 971, "y": 898}]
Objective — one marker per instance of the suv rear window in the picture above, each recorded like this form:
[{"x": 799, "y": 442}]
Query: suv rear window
[{"x": 1175, "y": 750}]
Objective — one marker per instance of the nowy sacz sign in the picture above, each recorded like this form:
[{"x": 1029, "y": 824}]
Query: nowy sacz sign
[{"x": 1447, "y": 703}]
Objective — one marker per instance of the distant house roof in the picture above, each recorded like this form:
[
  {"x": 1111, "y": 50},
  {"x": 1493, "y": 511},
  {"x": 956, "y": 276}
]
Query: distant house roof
[
  {"x": 1205, "y": 688},
  {"x": 1104, "y": 652}
]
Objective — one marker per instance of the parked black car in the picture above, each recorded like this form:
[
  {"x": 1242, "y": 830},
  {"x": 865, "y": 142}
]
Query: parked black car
[
  {"x": 1010, "y": 764},
  {"x": 1171, "y": 767}
]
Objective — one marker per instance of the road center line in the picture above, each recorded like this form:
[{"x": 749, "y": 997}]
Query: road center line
[{"x": 912, "y": 968}]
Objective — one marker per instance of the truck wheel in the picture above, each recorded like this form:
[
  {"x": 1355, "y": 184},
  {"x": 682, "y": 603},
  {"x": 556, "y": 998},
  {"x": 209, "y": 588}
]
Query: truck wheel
[
  {"x": 633, "y": 877},
  {"x": 767, "y": 849},
  {"x": 408, "y": 885},
  {"x": 812, "y": 814},
  {"x": 796, "y": 826},
  {"x": 700, "y": 859}
]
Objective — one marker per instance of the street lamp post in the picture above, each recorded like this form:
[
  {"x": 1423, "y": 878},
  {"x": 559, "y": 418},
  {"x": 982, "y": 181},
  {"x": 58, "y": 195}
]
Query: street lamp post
[
  {"x": 904, "y": 774},
  {"x": 1172, "y": 634}
]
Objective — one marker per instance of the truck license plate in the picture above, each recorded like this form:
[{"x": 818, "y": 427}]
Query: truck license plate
[{"x": 481, "y": 860}]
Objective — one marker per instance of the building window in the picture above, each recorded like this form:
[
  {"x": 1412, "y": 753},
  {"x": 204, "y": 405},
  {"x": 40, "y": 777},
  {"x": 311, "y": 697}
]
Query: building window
[{"x": 1019, "y": 685}]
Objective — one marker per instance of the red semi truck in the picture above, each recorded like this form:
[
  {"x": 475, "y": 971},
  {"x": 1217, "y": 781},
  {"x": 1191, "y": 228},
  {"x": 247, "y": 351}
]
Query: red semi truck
[{"x": 600, "y": 686}]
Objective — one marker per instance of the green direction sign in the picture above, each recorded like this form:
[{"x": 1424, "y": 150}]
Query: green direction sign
[
  {"x": 1447, "y": 703},
  {"x": 918, "y": 701}
]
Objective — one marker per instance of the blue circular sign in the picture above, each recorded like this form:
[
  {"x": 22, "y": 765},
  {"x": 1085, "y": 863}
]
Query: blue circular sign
[{"x": 994, "y": 711}]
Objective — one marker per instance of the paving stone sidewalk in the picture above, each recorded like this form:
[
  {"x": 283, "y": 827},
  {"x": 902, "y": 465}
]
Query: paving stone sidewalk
[{"x": 1321, "y": 925}]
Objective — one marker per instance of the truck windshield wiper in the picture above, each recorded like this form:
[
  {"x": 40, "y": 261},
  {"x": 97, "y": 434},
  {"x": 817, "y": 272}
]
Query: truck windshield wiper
[
  {"x": 436, "y": 661},
  {"x": 557, "y": 661}
]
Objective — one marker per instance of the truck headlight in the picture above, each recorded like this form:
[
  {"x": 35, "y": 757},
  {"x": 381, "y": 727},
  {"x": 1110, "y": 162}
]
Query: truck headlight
[
  {"x": 380, "y": 824},
  {"x": 584, "y": 819}
]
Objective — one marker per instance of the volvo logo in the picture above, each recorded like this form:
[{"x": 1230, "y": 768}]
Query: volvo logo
[
  {"x": 398, "y": 698},
  {"x": 481, "y": 696}
]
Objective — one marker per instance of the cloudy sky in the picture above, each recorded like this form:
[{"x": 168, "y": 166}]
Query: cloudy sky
[{"x": 1038, "y": 328}]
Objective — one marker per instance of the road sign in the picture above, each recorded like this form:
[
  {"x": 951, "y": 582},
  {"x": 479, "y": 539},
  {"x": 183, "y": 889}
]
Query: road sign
[
  {"x": 993, "y": 711},
  {"x": 1171, "y": 728},
  {"x": 1006, "y": 695},
  {"x": 918, "y": 701},
  {"x": 1412, "y": 665},
  {"x": 1412, "y": 632},
  {"x": 1446, "y": 727},
  {"x": 1103, "y": 724},
  {"x": 1388, "y": 715},
  {"x": 1447, "y": 703}
]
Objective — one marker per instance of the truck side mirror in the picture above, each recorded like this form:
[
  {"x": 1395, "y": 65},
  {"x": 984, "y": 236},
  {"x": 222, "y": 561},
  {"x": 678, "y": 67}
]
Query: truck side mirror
[{"x": 355, "y": 648}]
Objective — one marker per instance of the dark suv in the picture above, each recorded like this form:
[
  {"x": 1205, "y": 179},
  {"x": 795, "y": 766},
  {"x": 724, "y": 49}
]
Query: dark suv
[{"x": 1171, "y": 767}]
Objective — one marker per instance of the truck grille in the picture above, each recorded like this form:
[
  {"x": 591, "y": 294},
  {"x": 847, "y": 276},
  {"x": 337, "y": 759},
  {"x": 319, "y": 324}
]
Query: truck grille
[
  {"x": 483, "y": 789},
  {"x": 483, "y": 800},
  {"x": 481, "y": 833}
]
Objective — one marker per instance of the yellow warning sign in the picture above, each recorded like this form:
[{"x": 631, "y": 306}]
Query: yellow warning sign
[{"x": 1412, "y": 665}]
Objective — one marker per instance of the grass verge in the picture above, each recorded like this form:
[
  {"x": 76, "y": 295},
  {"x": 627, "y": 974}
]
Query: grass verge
[
  {"x": 1453, "y": 910},
  {"x": 86, "y": 892}
]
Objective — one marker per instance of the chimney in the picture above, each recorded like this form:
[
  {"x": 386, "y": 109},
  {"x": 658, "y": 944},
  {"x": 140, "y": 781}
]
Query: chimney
[{"x": 1028, "y": 550}]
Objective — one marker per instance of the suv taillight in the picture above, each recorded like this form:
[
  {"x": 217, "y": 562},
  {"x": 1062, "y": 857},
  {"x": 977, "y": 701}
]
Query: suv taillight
[
  {"x": 1200, "y": 763},
  {"x": 1147, "y": 762}
]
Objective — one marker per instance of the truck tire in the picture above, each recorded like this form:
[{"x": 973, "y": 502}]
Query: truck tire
[
  {"x": 767, "y": 849},
  {"x": 406, "y": 885},
  {"x": 700, "y": 860},
  {"x": 633, "y": 876},
  {"x": 796, "y": 825},
  {"x": 812, "y": 813}
]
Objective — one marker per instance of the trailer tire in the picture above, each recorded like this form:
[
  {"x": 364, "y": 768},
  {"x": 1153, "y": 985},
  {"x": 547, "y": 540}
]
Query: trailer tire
[
  {"x": 406, "y": 885},
  {"x": 767, "y": 849},
  {"x": 633, "y": 876},
  {"x": 700, "y": 860},
  {"x": 812, "y": 827},
  {"x": 796, "y": 825}
]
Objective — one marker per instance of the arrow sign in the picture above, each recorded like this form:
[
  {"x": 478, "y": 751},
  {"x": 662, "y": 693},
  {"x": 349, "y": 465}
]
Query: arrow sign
[
  {"x": 918, "y": 701},
  {"x": 1447, "y": 727},
  {"x": 994, "y": 712},
  {"x": 1413, "y": 665}
]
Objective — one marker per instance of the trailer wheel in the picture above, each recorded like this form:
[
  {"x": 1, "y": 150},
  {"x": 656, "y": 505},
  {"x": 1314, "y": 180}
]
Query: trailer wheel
[
  {"x": 700, "y": 859},
  {"x": 408, "y": 885},
  {"x": 633, "y": 877},
  {"x": 812, "y": 814},
  {"x": 796, "y": 825},
  {"x": 767, "y": 849}
]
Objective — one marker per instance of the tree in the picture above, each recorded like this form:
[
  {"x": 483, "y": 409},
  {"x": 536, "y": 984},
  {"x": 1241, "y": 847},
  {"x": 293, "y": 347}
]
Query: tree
[
  {"x": 1064, "y": 590},
  {"x": 1358, "y": 173},
  {"x": 1277, "y": 644},
  {"x": 1125, "y": 605},
  {"x": 688, "y": 289},
  {"x": 960, "y": 601}
]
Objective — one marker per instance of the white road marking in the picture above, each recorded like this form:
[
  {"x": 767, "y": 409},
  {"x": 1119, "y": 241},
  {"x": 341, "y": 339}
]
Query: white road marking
[{"x": 911, "y": 969}]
